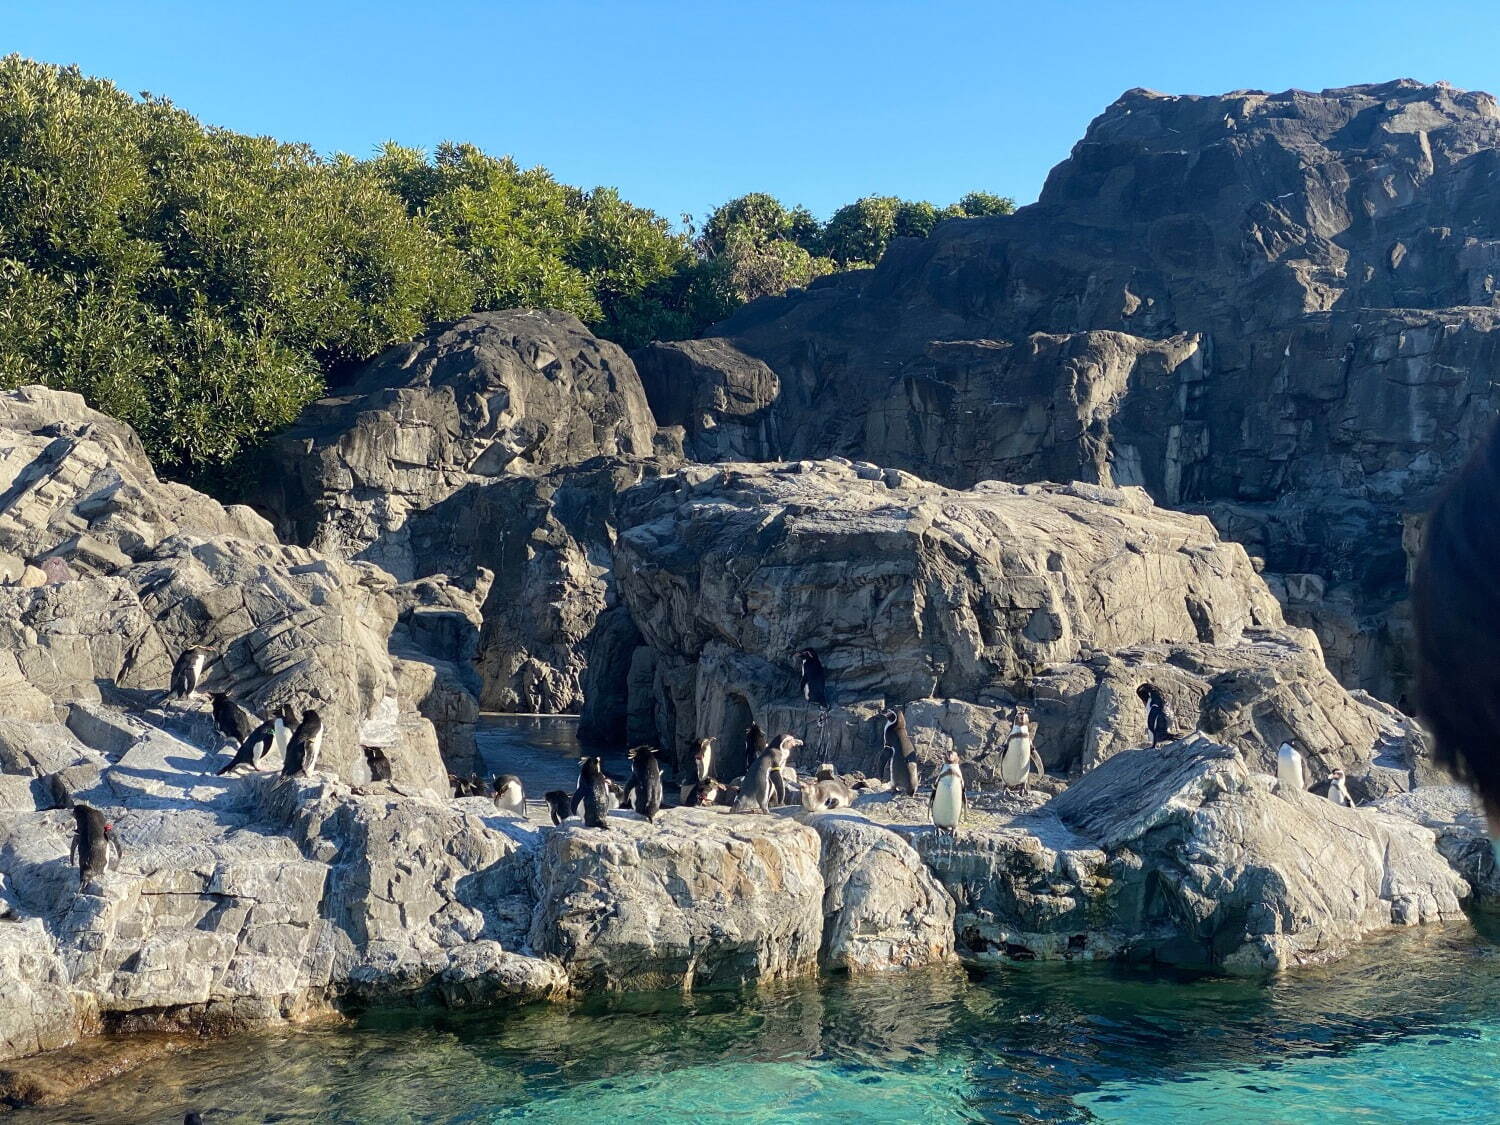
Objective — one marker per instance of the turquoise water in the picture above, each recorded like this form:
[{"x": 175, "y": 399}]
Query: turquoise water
[{"x": 1407, "y": 1030}]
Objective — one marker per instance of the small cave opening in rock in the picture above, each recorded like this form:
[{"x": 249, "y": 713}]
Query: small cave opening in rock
[{"x": 729, "y": 749}]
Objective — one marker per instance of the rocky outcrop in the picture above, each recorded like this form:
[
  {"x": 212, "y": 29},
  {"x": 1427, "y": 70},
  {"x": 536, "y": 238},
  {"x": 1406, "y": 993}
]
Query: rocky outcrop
[
  {"x": 958, "y": 605},
  {"x": 883, "y": 908},
  {"x": 698, "y": 900},
  {"x": 1281, "y": 308},
  {"x": 152, "y": 567},
  {"x": 1186, "y": 856},
  {"x": 493, "y": 445}
]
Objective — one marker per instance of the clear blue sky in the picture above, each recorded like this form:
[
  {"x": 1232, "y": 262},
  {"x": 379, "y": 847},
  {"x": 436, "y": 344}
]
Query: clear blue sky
[{"x": 683, "y": 105}]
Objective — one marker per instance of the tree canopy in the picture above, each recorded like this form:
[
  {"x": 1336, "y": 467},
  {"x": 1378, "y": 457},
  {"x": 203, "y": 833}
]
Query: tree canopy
[{"x": 202, "y": 285}]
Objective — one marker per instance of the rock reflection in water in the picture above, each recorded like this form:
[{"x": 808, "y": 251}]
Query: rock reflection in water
[{"x": 1037, "y": 1042}]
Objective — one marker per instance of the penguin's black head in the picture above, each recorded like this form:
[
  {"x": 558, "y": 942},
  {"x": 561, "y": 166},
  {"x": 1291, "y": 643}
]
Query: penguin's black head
[
  {"x": 1145, "y": 692},
  {"x": 286, "y": 714},
  {"x": 889, "y": 715}
]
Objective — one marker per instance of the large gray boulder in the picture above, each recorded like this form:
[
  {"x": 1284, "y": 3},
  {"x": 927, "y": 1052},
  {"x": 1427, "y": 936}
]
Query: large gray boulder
[
  {"x": 1279, "y": 306},
  {"x": 702, "y": 899},
  {"x": 496, "y": 394},
  {"x": 1187, "y": 856},
  {"x": 957, "y": 605}
]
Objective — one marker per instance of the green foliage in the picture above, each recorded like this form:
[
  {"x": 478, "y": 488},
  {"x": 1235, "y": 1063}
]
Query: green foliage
[
  {"x": 192, "y": 281},
  {"x": 199, "y": 284}
]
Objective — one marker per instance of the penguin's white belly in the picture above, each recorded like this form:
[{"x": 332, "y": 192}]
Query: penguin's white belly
[
  {"x": 947, "y": 803},
  {"x": 1339, "y": 795},
  {"x": 1289, "y": 771},
  {"x": 280, "y": 736},
  {"x": 314, "y": 745},
  {"x": 1015, "y": 765},
  {"x": 510, "y": 800}
]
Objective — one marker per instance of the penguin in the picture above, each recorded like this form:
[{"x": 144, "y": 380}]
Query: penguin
[
  {"x": 1334, "y": 789},
  {"x": 559, "y": 805},
  {"x": 231, "y": 720},
  {"x": 1158, "y": 718},
  {"x": 755, "y": 793},
  {"x": 782, "y": 751},
  {"x": 755, "y": 742},
  {"x": 187, "y": 672},
  {"x": 704, "y": 794},
  {"x": 948, "y": 804},
  {"x": 814, "y": 682},
  {"x": 302, "y": 751},
  {"x": 703, "y": 757},
  {"x": 825, "y": 791},
  {"x": 509, "y": 795},
  {"x": 1289, "y": 769},
  {"x": 645, "y": 782},
  {"x": 93, "y": 839},
  {"x": 192, "y": 1119},
  {"x": 255, "y": 746},
  {"x": 903, "y": 755},
  {"x": 1019, "y": 757},
  {"x": 380, "y": 765},
  {"x": 593, "y": 793},
  {"x": 616, "y": 793},
  {"x": 285, "y": 720}
]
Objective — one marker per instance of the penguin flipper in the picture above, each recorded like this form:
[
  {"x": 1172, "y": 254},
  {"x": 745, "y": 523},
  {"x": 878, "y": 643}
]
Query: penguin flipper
[{"x": 1036, "y": 762}]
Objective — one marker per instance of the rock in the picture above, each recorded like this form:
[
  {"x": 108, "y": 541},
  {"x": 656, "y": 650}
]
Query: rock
[
  {"x": 959, "y": 605},
  {"x": 1456, "y": 816},
  {"x": 32, "y": 577},
  {"x": 161, "y": 567},
  {"x": 700, "y": 900},
  {"x": 882, "y": 907},
  {"x": 1280, "y": 308},
  {"x": 495, "y": 394}
]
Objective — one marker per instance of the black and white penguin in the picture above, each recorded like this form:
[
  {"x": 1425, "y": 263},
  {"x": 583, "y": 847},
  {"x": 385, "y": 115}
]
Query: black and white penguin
[
  {"x": 375, "y": 759},
  {"x": 902, "y": 754},
  {"x": 510, "y": 796},
  {"x": 187, "y": 672},
  {"x": 703, "y": 758},
  {"x": 1289, "y": 774},
  {"x": 93, "y": 840},
  {"x": 755, "y": 792},
  {"x": 1334, "y": 789},
  {"x": 645, "y": 782},
  {"x": 192, "y": 1119},
  {"x": 825, "y": 791},
  {"x": 781, "y": 752},
  {"x": 285, "y": 719},
  {"x": 948, "y": 801},
  {"x": 705, "y": 793},
  {"x": 255, "y": 746},
  {"x": 1158, "y": 717},
  {"x": 1019, "y": 757},
  {"x": 231, "y": 720},
  {"x": 593, "y": 794},
  {"x": 303, "y": 748},
  {"x": 559, "y": 805},
  {"x": 814, "y": 682}
]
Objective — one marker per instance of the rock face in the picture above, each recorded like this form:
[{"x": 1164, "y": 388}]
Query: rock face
[
  {"x": 156, "y": 567},
  {"x": 1185, "y": 856},
  {"x": 1281, "y": 308},
  {"x": 958, "y": 605},
  {"x": 495, "y": 444},
  {"x": 698, "y": 900}
]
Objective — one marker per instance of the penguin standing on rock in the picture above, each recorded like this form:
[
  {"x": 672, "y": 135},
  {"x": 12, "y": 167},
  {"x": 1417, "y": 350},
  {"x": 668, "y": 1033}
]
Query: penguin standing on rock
[
  {"x": 1158, "y": 718},
  {"x": 559, "y": 805},
  {"x": 1020, "y": 756},
  {"x": 1289, "y": 769},
  {"x": 703, "y": 759},
  {"x": 303, "y": 749},
  {"x": 375, "y": 759},
  {"x": 93, "y": 840},
  {"x": 1334, "y": 789},
  {"x": 814, "y": 682},
  {"x": 231, "y": 720},
  {"x": 755, "y": 794},
  {"x": 948, "y": 802},
  {"x": 255, "y": 747},
  {"x": 781, "y": 752},
  {"x": 593, "y": 794},
  {"x": 187, "y": 672},
  {"x": 645, "y": 782},
  {"x": 901, "y": 754},
  {"x": 509, "y": 795}
]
